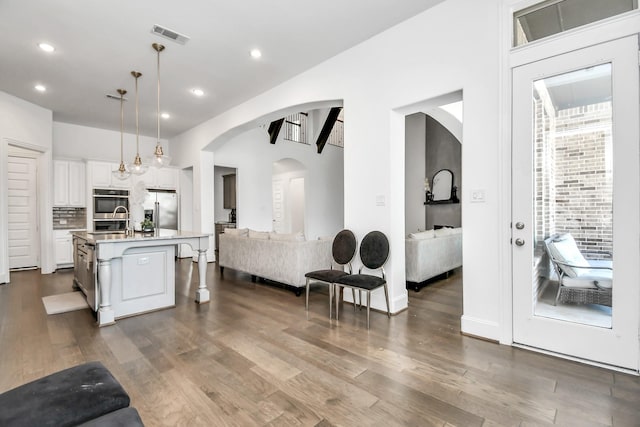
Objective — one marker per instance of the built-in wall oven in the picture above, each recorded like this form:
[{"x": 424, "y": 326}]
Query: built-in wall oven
[{"x": 105, "y": 201}]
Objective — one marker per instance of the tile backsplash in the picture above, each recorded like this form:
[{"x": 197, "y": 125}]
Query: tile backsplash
[{"x": 69, "y": 218}]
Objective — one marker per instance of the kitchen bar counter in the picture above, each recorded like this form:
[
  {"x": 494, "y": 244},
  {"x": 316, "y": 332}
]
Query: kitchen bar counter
[{"x": 136, "y": 274}]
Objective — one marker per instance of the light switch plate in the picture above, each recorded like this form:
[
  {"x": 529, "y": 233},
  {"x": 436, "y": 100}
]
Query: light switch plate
[{"x": 477, "y": 196}]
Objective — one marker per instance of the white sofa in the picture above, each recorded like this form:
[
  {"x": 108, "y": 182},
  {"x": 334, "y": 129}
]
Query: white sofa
[
  {"x": 280, "y": 258},
  {"x": 431, "y": 253}
]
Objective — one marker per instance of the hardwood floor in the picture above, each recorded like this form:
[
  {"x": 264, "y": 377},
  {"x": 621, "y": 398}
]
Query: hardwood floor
[{"x": 253, "y": 356}]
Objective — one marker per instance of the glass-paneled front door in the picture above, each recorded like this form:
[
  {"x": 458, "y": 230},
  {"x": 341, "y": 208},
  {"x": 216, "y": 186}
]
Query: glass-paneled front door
[{"x": 576, "y": 205}]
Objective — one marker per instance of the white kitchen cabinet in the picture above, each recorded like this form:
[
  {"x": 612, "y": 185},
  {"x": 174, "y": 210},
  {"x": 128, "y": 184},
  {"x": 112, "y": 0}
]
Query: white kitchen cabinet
[
  {"x": 163, "y": 178},
  {"x": 69, "y": 180},
  {"x": 167, "y": 178},
  {"x": 101, "y": 176},
  {"x": 63, "y": 248}
]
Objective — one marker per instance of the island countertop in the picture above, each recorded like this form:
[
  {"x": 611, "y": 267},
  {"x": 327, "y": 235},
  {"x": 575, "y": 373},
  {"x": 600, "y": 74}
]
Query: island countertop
[
  {"x": 136, "y": 273},
  {"x": 158, "y": 234}
]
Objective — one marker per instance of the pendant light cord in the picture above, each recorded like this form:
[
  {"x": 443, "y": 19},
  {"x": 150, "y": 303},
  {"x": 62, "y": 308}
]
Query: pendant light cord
[
  {"x": 121, "y": 126},
  {"x": 158, "y": 104},
  {"x": 160, "y": 159},
  {"x": 137, "y": 125}
]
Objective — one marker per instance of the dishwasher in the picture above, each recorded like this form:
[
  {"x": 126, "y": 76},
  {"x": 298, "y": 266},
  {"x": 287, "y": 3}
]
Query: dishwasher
[{"x": 84, "y": 271}]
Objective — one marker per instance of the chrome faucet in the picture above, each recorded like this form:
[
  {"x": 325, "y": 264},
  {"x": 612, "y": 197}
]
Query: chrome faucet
[{"x": 127, "y": 231}]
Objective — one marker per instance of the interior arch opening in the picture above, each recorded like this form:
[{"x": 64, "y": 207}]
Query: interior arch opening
[{"x": 433, "y": 184}]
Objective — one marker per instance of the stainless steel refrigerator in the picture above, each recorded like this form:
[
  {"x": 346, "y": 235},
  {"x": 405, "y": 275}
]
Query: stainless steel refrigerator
[{"x": 161, "y": 206}]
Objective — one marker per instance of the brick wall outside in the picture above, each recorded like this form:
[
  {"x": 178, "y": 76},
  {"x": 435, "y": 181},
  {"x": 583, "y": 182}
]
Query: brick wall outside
[{"x": 574, "y": 177}]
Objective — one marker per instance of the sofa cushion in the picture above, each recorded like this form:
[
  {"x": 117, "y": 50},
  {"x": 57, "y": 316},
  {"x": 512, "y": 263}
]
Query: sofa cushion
[
  {"x": 263, "y": 235},
  {"x": 289, "y": 237},
  {"x": 64, "y": 398},
  {"x": 428, "y": 234},
  {"x": 236, "y": 231},
  {"x": 440, "y": 232}
]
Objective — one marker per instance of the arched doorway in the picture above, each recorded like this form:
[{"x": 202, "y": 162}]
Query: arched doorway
[{"x": 433, "y": 225}]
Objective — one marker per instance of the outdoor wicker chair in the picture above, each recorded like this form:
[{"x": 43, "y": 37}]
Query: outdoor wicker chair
[{"x": 579, "y": 281}]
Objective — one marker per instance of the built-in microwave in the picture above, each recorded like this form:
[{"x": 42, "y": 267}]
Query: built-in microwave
[
  {"x": 109, "y": 225},
  {"x": 105, "y": 201}
]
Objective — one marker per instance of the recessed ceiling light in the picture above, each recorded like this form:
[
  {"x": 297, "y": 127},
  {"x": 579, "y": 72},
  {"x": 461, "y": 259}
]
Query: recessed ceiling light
[
  {"x": 40, "y": 88},
  {"x": 46, "y": 47},
  {"x": 255, "y": 53},
  {"x": 165, "y": 115},
  {"x": 197, "y": 92}
]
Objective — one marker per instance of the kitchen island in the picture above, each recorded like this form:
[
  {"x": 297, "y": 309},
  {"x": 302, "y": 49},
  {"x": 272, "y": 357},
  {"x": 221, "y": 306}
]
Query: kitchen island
[{"x": 136, "y": 274}]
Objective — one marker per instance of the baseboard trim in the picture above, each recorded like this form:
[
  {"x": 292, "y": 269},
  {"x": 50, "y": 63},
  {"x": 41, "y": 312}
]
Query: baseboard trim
[{"x": 480, "y": 328}]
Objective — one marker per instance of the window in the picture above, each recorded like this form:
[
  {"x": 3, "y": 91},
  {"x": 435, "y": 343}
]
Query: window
[
  {"x": 336, "y": 137},
  {"x": 295, "y": 128},
  {"x": 555, "y": 16}
]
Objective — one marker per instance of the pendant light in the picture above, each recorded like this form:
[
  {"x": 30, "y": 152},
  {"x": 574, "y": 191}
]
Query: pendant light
[
  {"x": 137, "y": 167},
  {"x": 122, "y": 172},
  {"x": 159, "y": 159}
]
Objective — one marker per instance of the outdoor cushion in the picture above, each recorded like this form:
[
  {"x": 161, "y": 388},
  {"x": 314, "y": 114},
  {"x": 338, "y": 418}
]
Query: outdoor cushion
[
  {"x": 589, "y": 278},
  {"x": 564, "y": 249}
]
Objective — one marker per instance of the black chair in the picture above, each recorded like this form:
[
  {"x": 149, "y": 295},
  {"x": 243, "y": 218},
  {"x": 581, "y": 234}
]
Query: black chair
[
  {"x": 374, "y": 252},
  {"x": 343, "y": 249}
]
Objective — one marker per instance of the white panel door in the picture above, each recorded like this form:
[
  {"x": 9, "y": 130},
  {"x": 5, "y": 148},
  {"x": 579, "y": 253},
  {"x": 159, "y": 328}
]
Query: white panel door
[
  {"x": 297, "y": 202},
  {"x": 22, "y": 209},
  {"x": 279, "y": 219},
  {"x": 575, "y": 171}
]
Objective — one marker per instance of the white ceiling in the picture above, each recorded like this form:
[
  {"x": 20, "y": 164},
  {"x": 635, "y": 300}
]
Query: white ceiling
[{"x": 99, "y": 42}]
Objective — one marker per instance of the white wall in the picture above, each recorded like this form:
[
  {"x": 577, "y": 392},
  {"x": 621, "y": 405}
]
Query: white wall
[
  {"x": 81, "y": 142},
  {"x": 253, "y": 156},
  {"x": 28, "y": 126},
  {"x": 419, "y": 59},
  {"x": 186, "y": 211},
  {"x": 415, "y": 147}
]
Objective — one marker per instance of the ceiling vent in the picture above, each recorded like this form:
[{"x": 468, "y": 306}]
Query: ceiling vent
[{"x": 169, "y": 34}]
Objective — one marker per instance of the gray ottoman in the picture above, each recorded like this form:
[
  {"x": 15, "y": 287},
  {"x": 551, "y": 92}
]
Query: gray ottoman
[
  {"x": 65, "y": 398},
  {"x": 125, "y": 417}
]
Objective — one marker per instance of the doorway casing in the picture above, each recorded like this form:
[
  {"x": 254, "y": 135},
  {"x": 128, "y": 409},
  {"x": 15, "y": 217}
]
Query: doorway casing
[{"x": 44, "y": 162}]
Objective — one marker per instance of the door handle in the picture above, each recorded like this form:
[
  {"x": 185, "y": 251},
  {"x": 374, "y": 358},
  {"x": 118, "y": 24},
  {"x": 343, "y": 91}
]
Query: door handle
[{"x": 519, "y": 242}]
